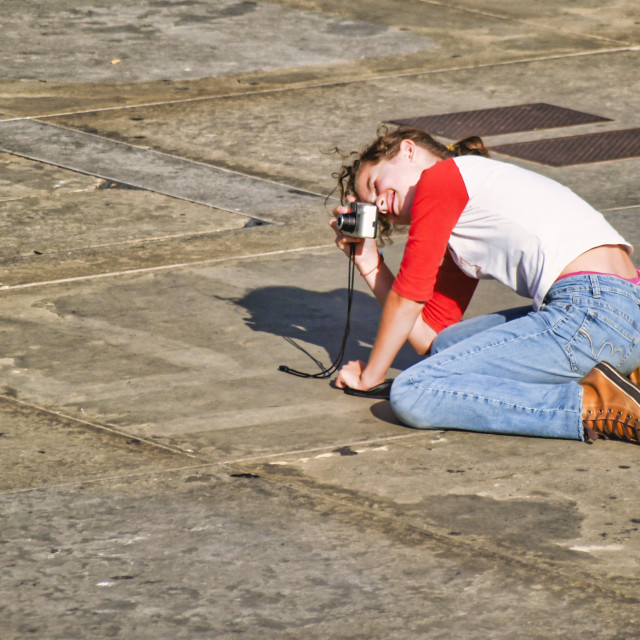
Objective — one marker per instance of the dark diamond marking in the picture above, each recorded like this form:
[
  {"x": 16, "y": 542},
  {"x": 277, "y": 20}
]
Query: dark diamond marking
[
  {"x": 499, "y": 120},
  {"x": 592, "y": 147}
]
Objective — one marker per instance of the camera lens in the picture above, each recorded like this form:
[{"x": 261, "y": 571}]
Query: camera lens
[{"x": 346, "y": 222}]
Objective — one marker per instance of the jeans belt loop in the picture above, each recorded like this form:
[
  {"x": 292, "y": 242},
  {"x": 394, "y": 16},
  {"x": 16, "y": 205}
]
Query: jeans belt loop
[{"x": 595, "y": 286}]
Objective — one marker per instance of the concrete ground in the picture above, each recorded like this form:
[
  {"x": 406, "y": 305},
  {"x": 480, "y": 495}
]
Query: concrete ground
[{"x": 163, "y": 170}]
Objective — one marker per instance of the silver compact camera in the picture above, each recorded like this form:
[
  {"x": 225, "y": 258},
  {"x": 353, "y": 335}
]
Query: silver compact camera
[{"x": 360, "y": 222}]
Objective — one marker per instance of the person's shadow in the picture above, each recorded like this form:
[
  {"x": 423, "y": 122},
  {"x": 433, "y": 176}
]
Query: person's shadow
[{"x": 305, "y": 318}]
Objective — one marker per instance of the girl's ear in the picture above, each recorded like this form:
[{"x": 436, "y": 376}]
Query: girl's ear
[{"x": 408, "y": 148}]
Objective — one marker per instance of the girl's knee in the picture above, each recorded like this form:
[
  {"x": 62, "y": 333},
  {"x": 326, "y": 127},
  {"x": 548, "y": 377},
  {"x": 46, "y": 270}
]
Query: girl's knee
[
  {"x": 399, "y": 387},
  {"x": 398, "y": 393},
  {"x": 406, "y": 399}
]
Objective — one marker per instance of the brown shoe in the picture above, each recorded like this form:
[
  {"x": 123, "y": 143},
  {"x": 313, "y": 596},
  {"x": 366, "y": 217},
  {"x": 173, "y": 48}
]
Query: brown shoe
[
  {"x": 610, "y": 405},
  {"x": 634, "y": 376}
]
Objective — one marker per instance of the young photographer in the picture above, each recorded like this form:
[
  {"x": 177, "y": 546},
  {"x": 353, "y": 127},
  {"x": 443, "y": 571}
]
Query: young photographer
[{"x": 543, "y": 370}]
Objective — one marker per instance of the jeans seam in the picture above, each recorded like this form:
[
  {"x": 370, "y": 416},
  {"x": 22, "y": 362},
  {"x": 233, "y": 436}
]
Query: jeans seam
[
  {"x": 541, "y": 411},
  {"x": 474, "y": 396},
  {"x": 492, "y": 346}
]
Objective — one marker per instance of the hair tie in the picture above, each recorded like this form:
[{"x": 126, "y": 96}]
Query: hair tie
[{"x": 451, "y": 147}]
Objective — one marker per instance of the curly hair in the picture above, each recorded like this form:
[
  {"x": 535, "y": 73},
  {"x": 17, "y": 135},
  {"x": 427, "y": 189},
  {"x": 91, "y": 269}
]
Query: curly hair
[{"x": 386, "y": 147}]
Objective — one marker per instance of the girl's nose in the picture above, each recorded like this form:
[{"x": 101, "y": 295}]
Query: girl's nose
[{"x": 381, "y": 203}]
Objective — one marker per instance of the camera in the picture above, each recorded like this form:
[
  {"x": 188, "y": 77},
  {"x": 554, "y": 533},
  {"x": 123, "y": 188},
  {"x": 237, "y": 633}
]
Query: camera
[{"x": 360, "y": 222}]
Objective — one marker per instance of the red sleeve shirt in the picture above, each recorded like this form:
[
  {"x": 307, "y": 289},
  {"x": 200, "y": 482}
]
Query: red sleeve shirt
[{"x": 427, "y": 271}]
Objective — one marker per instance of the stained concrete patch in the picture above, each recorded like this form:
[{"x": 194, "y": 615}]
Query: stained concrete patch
[
  {"x": 493, "y": 491},
  {"x": 177, "y": 556},
  {"x": 46, "y": 449},
  {"x": 103, "y": 218},
  {"x": 87, "y": 42},
  {"x": 531, "y": 522}
]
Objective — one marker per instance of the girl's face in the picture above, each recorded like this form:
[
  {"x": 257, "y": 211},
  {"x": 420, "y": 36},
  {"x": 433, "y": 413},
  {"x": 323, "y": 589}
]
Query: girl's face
[{"x": 390, "y": 184}]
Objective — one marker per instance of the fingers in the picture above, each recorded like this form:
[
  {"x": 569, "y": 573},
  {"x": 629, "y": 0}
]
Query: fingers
[
  {"x": 349, "y": 375},
  {"x": 343, "y": 208},
  {"x": 343, "y": 241},
  {"x": 340, "y": 210}
]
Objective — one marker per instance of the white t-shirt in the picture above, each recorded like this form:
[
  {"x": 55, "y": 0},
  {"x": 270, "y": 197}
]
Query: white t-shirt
[{"x": 498, "y": 221}]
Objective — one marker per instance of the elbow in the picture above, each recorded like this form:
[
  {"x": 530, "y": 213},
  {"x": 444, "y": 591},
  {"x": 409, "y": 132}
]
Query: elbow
[
  {"x": 421, "y": 349},
  {"x": 420, "y": 342},
  {"x": 422, "y": 337}
]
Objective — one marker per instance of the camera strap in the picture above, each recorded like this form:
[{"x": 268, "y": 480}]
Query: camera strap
[{"x": 325, "y": 373}]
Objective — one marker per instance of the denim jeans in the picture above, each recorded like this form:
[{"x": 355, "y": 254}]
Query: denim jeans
[{"x": 518, "y": 371}]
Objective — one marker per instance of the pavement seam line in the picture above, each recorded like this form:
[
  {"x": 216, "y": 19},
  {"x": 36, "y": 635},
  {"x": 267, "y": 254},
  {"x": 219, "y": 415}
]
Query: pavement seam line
[
  {"x": 585, "y": 581},
  {"x": 529, "y": 23},
  {"x": 179, "y": 265},
  {"x": 202, "y": 465},
  {"x": 629, "y": 206},
  {"x": 295, "y": 452},
  {"x": 161, "y": 154},
  {"x": 334, "y": 83},
  {"x": 99, "y": 426},
  {"x": 123, "y": 243}
]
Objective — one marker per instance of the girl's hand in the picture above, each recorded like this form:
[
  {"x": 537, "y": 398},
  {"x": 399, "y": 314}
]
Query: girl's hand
[
  {"x": 366, "y": 250},
  {"x": 349, "y": 375}
]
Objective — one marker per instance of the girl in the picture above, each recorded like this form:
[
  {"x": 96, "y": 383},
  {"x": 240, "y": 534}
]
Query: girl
[{"x": 544, "y": 370}]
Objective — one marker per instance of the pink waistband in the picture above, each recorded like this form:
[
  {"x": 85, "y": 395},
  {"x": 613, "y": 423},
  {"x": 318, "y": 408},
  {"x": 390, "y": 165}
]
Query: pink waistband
[{"x": 635, "y": 280}]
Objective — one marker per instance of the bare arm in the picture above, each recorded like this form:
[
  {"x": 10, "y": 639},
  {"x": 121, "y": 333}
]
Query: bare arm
[
  {"x": 379, "y": 279},
  {"x": 398, "y": 319}
]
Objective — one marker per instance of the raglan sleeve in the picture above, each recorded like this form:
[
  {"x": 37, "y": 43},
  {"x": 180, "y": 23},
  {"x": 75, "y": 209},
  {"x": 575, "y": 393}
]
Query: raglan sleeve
[
  {"x": 427, "y": 272},
  {"x": 451, "y": 296}
]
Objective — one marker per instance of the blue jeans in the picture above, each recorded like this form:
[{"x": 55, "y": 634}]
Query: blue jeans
[{"x": 518, "y": 371}]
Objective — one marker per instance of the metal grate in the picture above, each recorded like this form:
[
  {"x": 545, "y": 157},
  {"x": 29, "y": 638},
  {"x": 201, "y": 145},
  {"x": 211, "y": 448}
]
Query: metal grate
[
  {"x": 489, "y": 122},
  {"x": 592, "y": 147}
]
